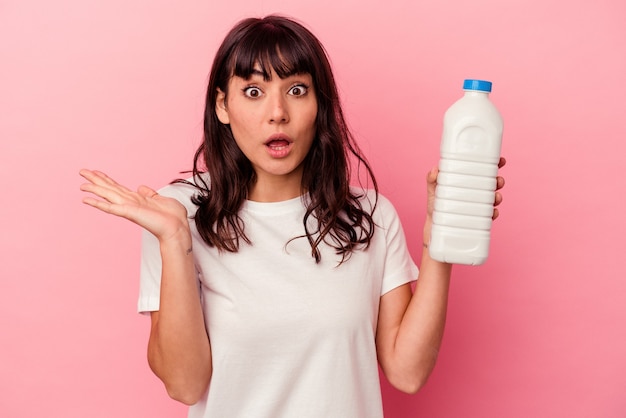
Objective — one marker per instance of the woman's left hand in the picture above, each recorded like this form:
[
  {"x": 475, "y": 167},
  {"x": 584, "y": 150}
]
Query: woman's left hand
[{"x": 431, "y": 180}]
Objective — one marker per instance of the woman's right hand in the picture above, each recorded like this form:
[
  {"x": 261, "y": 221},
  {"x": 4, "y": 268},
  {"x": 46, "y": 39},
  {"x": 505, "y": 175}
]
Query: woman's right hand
[
  {"x": 164, "y": 217},
  {"x": 179, "y": 351}
]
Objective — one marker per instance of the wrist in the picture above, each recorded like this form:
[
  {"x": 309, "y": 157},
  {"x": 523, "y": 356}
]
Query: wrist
[
  {"x": 181, "y": 237},
  {"x": 426, "y": 233},
  {"x": 426, "y": 245}
]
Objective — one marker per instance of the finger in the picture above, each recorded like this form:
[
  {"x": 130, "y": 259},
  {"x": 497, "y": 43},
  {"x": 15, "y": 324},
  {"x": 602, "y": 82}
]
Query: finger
[
  {"x": 87, "y": 174},
  {"x": 498, "y": 199},
  {"x": 496, "y": 213},
  {"x": 499, "y": 182},
  {"x": 122, "y": 210},
  {"x": 112, "y": 183},
  {"x": 93, "y": 175},
  {"x": 111, "y": 194},
  {"x": 100, "y": 178},
  {"x": 98, "y": 204},
  {"x": 431, "y": 176},
  {"x": 146, "y": 191},
  {"x": 106, "y": 179},
  {"x": 502, "y": 162}
]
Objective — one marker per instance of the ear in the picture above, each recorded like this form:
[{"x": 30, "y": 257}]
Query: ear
[{"x": 220, "y": 107}]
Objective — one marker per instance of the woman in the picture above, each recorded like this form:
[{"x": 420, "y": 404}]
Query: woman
[{"x": 272, "y": 285}]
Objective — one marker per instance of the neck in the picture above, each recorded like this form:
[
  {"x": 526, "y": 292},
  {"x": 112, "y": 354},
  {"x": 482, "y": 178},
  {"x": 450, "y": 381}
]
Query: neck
[{"x": 275, "y": 189}]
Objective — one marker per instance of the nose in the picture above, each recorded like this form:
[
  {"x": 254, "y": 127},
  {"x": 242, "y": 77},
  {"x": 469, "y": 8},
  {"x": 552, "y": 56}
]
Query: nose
[{"x": 278, "y": 110}]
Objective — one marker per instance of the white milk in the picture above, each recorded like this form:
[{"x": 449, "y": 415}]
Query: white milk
[{"x": 470, "y": 152}]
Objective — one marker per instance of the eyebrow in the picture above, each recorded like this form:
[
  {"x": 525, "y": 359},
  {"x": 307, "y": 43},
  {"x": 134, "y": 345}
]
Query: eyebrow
[{"x": 258, "y": 72}]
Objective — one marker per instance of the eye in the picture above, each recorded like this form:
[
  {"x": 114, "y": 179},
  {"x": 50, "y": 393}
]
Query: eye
[
  {"x": 298, "y": 90},
  {"x": 252, "y": 92}
]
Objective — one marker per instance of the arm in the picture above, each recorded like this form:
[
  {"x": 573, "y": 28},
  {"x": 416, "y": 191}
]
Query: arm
[
  {"x": 411, "y": 325},
  {"x": 178, "y": 349},
  {"x": 179, "y": 352}
]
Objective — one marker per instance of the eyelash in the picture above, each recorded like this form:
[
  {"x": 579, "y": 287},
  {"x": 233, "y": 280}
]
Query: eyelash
[
  {"x": 246, "y": 90},
  {"x": 300, "y": 86}
]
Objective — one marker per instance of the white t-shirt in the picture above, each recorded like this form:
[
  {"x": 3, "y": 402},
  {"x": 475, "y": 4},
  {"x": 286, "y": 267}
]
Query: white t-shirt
[{"x": 289, "y": 338}]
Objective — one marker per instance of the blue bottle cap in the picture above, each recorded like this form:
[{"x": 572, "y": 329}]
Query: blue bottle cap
[{"x": 479, "y": 85}]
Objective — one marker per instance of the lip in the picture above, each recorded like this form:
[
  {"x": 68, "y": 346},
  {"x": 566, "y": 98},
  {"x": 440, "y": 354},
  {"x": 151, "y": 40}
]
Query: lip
[
  {"x": 281, "y": 150},
  {"x": 278, "y": 137}
]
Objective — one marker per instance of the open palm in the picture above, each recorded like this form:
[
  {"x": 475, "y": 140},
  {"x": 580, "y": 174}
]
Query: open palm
[{"x": 160, "y": 215}]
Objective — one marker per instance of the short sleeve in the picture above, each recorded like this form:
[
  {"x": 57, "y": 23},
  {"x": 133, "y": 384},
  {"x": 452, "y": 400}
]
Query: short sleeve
[
  {"x": 399, "y": 266},
  {"x": 149, "y": 274},
  {"x": 151, "y": 266}
]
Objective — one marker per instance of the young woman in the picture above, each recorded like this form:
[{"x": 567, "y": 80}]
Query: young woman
[{"x": 274, "y": 287}]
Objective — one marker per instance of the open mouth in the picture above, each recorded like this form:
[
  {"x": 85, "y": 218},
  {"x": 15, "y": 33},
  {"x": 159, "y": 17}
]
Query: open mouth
[{"x": 278, "y": 145}]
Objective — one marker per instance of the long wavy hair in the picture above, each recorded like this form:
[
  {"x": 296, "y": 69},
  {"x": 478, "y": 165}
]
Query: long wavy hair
[{"x": 285, "y": 46}]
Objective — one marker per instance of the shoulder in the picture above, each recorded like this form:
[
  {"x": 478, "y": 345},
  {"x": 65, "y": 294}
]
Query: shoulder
[
  {"x": 185, "y": 189},
  {"x": 375, "y": 203}
]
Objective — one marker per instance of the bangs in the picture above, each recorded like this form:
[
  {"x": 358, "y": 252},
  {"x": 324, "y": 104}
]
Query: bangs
[{"x": 271, "y": 48}]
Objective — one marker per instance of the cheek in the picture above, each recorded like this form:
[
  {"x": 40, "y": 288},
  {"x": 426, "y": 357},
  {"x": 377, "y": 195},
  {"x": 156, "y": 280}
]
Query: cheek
[
  {"x": 312, "y": 116},
  {"x": 313, "y": 124},
  {"x": 241, "y": 125}
]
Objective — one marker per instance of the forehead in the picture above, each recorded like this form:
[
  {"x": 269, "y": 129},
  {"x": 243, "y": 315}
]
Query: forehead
[{"x": 268, "y": 59}]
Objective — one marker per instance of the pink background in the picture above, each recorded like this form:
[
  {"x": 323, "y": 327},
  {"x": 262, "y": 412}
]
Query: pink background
[{"x": 538, "y": 331}]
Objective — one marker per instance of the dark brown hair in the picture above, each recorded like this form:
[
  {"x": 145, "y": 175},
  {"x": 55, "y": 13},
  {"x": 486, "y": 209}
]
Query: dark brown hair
[{"x": 285, "y": 46}]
